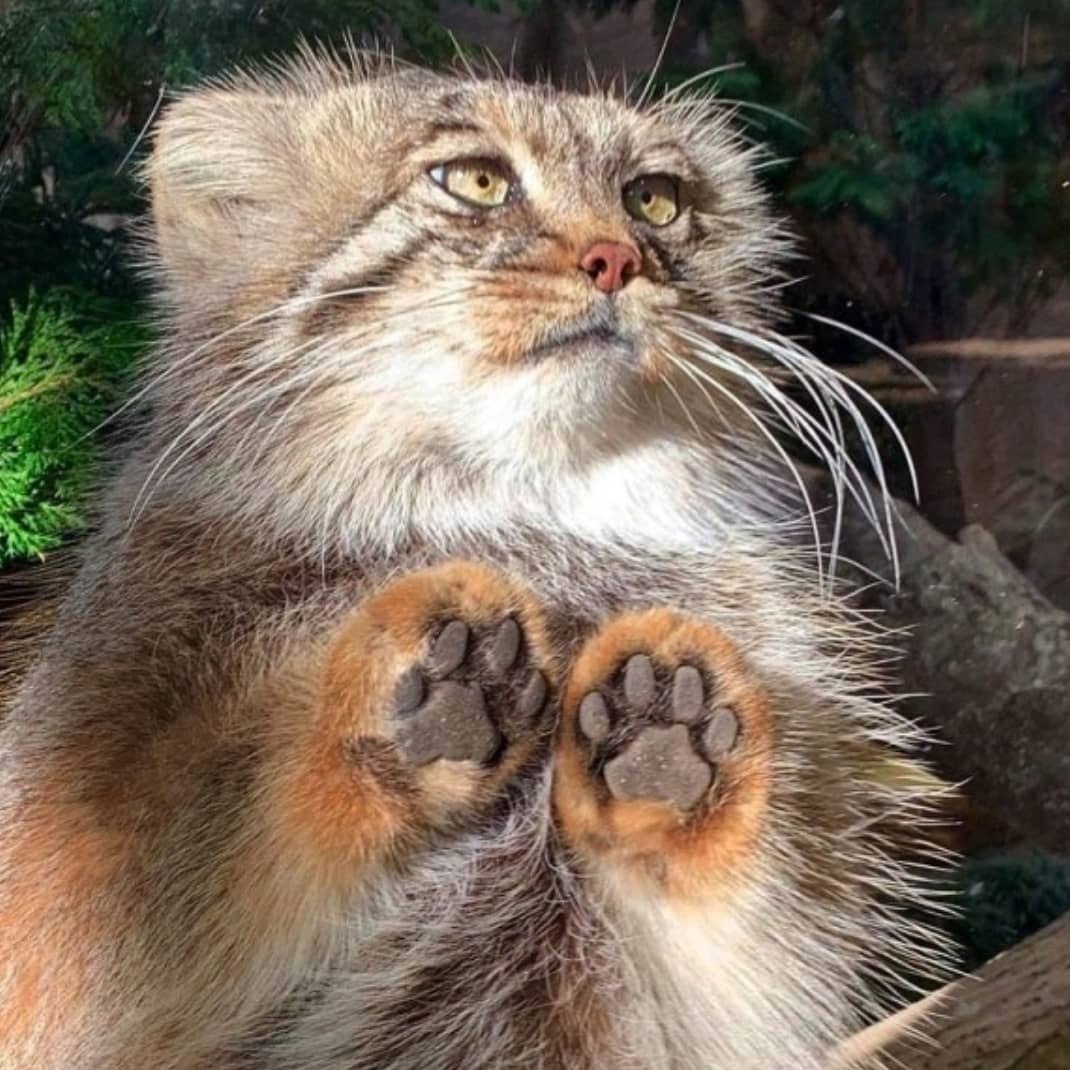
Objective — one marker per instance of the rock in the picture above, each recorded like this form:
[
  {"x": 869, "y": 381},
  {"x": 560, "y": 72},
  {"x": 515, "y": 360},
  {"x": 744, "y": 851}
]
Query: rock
[
  {"x": 992, "y": 445},
  {"x": 989, "y": 659}
]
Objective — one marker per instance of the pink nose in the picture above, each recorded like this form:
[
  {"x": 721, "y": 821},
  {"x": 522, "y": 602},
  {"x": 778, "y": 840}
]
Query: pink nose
[{"x": 611, "y": 265}]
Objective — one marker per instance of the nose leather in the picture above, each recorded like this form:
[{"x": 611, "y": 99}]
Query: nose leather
[{"x": 611, "y": 265}]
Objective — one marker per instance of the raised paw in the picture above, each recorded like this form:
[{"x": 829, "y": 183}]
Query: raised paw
[
  {"x": 425, "y": 703},
  {"x": 475, "y": 691},
  {"x": 442, "y": 685},
  {"x": 662, "y": 759}
]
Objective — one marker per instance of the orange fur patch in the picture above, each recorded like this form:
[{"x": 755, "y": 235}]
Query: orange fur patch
[
  {"x": 53, "y": 921},
  {"x": 336, "y": 793},
  {"x": 691, "y": 856}
]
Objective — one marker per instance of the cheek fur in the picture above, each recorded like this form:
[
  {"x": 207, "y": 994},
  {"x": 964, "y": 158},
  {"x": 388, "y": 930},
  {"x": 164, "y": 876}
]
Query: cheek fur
[{"x": 513, "y": 318}]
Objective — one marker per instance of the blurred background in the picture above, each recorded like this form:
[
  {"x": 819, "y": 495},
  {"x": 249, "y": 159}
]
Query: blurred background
[{"x": 922, "y": 150}]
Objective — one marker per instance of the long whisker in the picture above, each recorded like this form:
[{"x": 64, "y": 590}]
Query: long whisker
[
  {"x": 764, "y": 109},
  {"x": 842, "y": 390},
  {"x": 668, "y": 384},
  {"x": 832, "y": 429},
  {"x": 179, "y": 363},
  {"x": 845, "y": 386},
  {"x": 844, "y": 383},
  {"x": 824, "y": 440},
  {"x": 143, "y": 495},
  {"x": 760, "y": 473},
  {"x": 670, "y": 95},
  {"x": 783, "y": 454},
  {"x": 656, "y": 69},
  {"x": 887, "y": 350},
  {"x": 838, "y": 468},
  {"x": 837, "y": 459},
  {"x": 316, "y": 373},
  {"x": 256, "y": 371},
  {"x": 725, "y": 360}
]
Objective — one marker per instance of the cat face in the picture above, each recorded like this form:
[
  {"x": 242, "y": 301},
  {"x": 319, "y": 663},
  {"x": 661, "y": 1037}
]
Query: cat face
[
  {"x": 562, "y": 226},
  {"x": 479, "y": 270}
]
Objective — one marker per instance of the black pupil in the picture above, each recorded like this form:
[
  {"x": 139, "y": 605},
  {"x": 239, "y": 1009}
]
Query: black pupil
[
  {"x": 647, "y": 196},
  {"x": 483, "y": 181}
]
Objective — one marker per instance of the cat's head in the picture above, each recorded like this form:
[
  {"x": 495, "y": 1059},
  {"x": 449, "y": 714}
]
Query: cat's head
[
  {"x": 380, "y": 273},
  {"x": 423, "y": 238}
]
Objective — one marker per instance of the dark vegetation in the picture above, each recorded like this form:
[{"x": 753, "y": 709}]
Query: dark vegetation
[{"x": 930, "y": 173}]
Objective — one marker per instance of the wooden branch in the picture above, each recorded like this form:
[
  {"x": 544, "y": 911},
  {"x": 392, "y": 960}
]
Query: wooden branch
[{"x": 1014, "y": 1014}]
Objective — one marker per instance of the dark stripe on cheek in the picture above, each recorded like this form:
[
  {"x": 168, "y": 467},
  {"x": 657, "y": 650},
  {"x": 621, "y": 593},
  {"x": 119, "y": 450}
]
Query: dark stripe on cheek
[
  {"x": 346, "y": 295},
  {"x": 698, "y": 232},
  {"x": 669, "y": 266},
  {"x": 367, "y": 219}
]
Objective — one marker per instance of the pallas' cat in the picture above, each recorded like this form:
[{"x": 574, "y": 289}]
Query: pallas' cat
[{"x": 442, "y": 686}]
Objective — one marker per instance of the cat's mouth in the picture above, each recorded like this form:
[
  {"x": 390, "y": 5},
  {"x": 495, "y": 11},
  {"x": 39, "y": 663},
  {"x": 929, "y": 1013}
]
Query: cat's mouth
[{"x": 600, "y": 333}]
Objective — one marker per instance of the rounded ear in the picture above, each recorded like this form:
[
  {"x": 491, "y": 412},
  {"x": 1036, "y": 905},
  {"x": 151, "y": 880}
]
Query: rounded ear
[{"x": 217, "y": 168}]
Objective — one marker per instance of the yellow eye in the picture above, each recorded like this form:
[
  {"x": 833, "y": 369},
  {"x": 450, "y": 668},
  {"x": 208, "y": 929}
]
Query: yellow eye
[
  {"x": 653, "y": 199},
  {"x": 483, "y": 183}
]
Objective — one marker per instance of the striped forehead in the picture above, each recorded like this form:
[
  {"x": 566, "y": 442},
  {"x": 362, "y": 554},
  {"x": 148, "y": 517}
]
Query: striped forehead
[{"x": 557, "y": 141}]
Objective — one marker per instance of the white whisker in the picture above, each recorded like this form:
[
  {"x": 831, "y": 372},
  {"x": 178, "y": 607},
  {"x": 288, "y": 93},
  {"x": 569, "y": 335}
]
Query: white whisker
[
  {"x": 670, "y": 95},
  {"x": 680, "y": 401},
  {"x": 783, "y": 454},
  {"x": 839, "y": 391},
  {"x": 887, "y": 350},
  {"x": 822, "y": 440},
  {"x": 659, "y": 59},
  {"x": 178, "y": 364},
  {"x": 760, "y": 474},
  {"x": 313, "y": 346},
  {"x": 143, "y": 495}
]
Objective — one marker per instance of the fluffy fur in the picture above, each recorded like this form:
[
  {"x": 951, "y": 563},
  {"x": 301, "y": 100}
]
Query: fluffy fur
[{"x": 360, "y": 377}]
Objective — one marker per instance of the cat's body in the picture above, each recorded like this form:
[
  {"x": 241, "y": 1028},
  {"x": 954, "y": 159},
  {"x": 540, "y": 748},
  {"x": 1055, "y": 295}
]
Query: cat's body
[{"x": 221, "y": 849}]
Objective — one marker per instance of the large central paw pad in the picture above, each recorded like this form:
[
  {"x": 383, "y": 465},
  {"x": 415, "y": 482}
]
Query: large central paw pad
[
  {"x": 659, "y": 734},
  {"x": 473, "y": 692}
]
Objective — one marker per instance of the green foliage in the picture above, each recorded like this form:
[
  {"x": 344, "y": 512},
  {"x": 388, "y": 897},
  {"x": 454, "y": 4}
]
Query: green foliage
[
  {"x": 45, "y": 240},
  {"x": 858, "y": 175},
  {"x": 64, "y": 359},
  {"x": 991, "y": 163},
  {"x": 81, "y": 63},
  {"x": 953, "y": 173},
  {"x": 1002, "y": 899},
  {"x": 81, "y": 79}
]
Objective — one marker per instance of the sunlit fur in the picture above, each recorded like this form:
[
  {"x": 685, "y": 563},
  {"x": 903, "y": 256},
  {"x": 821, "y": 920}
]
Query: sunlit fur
[{"x": 360, "y": 375}]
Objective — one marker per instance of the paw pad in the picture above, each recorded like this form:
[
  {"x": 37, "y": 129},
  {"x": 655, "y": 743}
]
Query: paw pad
[
  {"x": 473, "y": 693},
  {"x": 653, "y": 734},
  {"x": 659, "y": 763},
  {"x": 452, "y": 723},
  {"x": 449, "y": 649}
]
